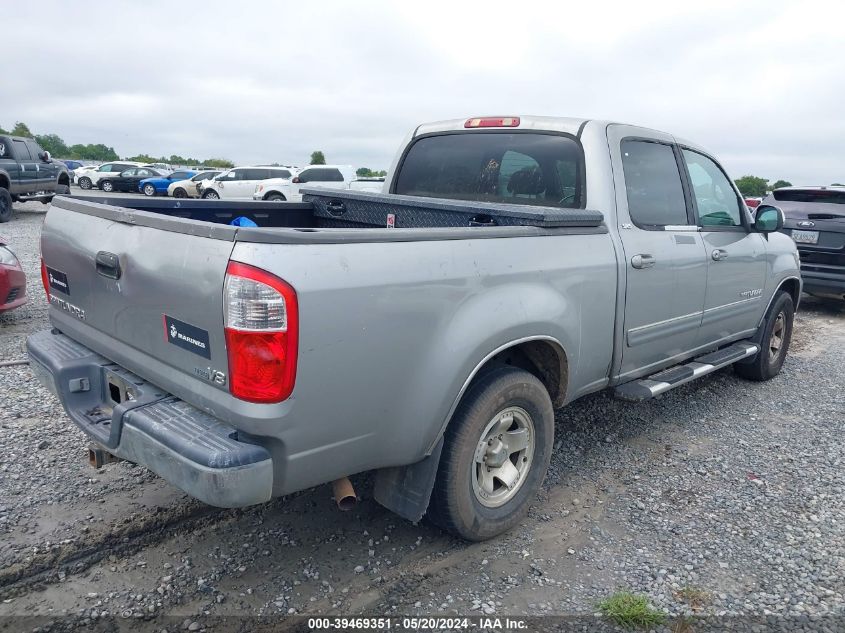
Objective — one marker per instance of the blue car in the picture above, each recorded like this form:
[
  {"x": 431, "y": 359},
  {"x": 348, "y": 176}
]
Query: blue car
[{"x": 158, "y": 186}]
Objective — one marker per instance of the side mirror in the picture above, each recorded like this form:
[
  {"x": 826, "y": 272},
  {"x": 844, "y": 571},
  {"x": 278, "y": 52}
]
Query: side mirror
[
  {"x": 45, "y": 156},
  {"x": 768, "y": 219}
]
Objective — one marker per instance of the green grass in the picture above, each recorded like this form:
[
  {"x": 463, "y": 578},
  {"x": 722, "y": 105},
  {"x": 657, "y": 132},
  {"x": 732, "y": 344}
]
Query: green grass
[{"x": 631, "y": 611}]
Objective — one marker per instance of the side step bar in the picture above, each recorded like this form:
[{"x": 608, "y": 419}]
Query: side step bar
[{"x": 656, "y": 384}]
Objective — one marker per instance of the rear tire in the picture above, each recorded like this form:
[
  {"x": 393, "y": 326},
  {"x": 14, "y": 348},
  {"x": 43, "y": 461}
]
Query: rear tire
[
  {"x": 180, "y": 193},
  {"x": 106, "y": 185},
  {"x": 777, "y": 334},
  {"x": 506, "y": 419},
  {"x": 85, "y": 183},
  {"x": 62, "y": 190},
  {"x": 6, "y": 209},
  {"x": 210, "y": 195},
  {"x": 149, "y": 190}
]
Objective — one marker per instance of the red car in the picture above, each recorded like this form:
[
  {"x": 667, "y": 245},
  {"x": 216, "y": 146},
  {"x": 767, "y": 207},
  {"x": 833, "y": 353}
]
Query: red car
[{"x": 12, "y": 280}]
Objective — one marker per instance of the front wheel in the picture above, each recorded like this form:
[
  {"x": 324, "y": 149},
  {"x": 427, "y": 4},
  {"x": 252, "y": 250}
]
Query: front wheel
[
  {"x": 149, "y": 190},
  {"x": 85, "y": 183},
  {"x": 180, "y": 193},
  {"x": 107, "y": 186},
  {"x": 777, "y": 334},
  {"x": 210, "y": 195},
  {"x": 496, "y": 452},
  {"x": 275, "y": 197}
]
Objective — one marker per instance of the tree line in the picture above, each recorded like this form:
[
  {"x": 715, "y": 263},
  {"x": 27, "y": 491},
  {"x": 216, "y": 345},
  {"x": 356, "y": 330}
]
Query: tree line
[
  {"x": 756, "y": 187},
  {"x": 99, "y": 152}
]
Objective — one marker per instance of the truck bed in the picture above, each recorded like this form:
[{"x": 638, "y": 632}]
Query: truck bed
[{"x": 354, "y": 210}]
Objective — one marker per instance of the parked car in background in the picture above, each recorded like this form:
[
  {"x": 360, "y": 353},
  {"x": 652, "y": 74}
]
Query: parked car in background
[
  {"x": 157, "y": 186},
  {"x": 72, "y": 164},
  {"x": 91, "y": 178},
  {"x": 27, "y": 172},
  {"x": 333, "y": 176},
  {"x": 159, "y": 166},
  {"x": 12, "y": 279},
  {"x": 77, "y": 173},
  {"x": 752, "y": 203},
  {"x": 239, "y": 183},
  {"x": 815, "y": 219},
  {"x": 190, "y": 188},
  {"x": 130, "y": 179}
]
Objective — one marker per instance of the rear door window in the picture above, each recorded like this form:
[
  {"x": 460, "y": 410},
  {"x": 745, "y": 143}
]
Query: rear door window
[
  {"x": 517, "y": 168},
  {"x": 22, "y": 151},
  {"x": 653, "y": 185}
]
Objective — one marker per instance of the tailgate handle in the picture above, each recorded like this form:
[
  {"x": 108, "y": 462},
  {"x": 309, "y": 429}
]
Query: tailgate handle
[
  {"x": 335, "y": 207},
  {"x": 108, "y": 265}
]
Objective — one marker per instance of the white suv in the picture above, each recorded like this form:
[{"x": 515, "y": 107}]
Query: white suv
[
  {"x": 91, "y": 179},
  {"x": 239, "y": 183},
  {"x": 329, "y": 176}
]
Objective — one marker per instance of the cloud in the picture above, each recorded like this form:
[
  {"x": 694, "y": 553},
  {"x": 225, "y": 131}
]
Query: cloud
[{"x": 759, "y": 84}]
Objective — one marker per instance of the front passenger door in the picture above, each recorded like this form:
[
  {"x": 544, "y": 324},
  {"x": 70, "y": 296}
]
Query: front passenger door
[{"x": 736, "y": 255}]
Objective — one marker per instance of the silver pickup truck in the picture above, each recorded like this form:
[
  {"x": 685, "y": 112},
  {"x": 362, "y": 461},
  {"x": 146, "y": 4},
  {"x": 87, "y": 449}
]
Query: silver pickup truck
[{"x": 426, "y": 333}]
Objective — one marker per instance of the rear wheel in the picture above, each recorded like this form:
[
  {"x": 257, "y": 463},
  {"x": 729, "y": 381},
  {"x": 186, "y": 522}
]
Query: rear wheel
[
  {"x": 777, "y": 334},
  {"x": 180, "y": 193},
  {"x": 106, "y": 185},
  {"x": 210, "y": 195},
  {"x": 85, "y": 183},
  {"x": 495, "y": 455},
  {"x": 5, "y": 205},
  {"x": 149, "y": 190}
]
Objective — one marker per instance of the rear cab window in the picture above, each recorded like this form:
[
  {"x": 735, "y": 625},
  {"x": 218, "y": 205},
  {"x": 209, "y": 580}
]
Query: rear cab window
[
  {"x": 517, "y": 168},
  {"x": 823, "y": 196}
]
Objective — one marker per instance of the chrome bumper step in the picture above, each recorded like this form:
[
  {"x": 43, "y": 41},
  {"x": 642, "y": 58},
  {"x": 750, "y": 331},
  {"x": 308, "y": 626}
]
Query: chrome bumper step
[{"x": 661, "y": 382}]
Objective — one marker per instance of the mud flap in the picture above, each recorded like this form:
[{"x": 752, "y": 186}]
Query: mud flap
[{"x": 406, "y": 490}]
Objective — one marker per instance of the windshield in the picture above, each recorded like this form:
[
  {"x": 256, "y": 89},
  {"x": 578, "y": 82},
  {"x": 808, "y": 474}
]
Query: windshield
[{"x": 517, "y": 168}]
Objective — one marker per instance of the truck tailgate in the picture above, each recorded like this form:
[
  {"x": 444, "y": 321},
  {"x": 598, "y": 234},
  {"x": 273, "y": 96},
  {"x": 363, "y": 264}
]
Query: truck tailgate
[{"x": 156, "y": 291}]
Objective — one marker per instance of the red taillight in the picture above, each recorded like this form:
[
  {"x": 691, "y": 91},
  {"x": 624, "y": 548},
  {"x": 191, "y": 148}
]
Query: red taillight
[
  {"x": 44, "y": 279},
  {"x": 261, "y": 319},
  {"x": 296, "y": 180},
  {"x": 508, "y": 121}
]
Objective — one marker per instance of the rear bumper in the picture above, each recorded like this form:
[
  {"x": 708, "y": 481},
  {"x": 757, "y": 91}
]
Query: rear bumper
[{"x": 137, "y": 421}]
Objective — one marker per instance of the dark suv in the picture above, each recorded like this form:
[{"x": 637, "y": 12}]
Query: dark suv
[
  {"x": 27, "y": 172},
  {"x": 815, "y": 219}
]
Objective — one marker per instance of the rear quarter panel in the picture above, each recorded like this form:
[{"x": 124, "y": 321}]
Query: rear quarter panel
[{"x": 390, "y": 332}]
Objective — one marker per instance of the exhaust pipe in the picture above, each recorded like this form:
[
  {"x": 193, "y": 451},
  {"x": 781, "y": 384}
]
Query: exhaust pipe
[
  {"x": 344, "y": 494},
  {"x": 99, "y": 457}
]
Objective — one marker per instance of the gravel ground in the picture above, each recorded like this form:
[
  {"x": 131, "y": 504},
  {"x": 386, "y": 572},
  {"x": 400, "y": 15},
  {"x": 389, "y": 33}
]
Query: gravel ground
[{"x": 722, "y": 502}]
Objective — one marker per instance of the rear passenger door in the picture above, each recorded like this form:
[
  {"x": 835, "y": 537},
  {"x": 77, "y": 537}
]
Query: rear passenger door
[
  {"x": 735, "y": 255},
  {"x": 664, "y": 262}
]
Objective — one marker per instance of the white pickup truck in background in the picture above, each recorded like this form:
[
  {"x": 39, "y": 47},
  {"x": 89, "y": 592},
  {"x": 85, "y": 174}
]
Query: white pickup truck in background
[{"x": 315, "y": 176}]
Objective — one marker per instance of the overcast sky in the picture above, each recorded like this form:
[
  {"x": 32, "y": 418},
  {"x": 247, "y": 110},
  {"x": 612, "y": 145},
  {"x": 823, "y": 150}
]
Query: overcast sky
[{"x": 761, "y": 85}]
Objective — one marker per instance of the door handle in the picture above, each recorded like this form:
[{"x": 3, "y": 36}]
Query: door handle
[
  {"x": 108, "y": 265},
  {"x": 719, "y": 254},
  {"x": 643, "y": 261}
]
